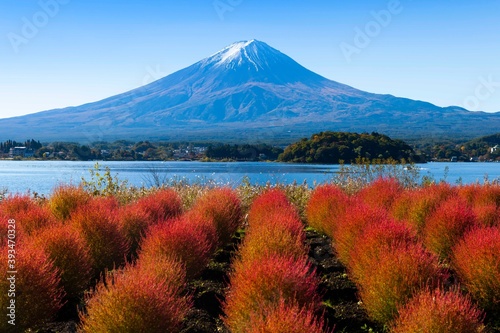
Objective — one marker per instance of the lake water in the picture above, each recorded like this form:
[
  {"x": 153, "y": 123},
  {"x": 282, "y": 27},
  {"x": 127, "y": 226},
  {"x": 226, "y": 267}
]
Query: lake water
[{"x": 43, "y": 176}]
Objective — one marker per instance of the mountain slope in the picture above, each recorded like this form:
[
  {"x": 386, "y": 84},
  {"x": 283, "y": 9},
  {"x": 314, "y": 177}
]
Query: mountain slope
[{"x": 248, "y": 91}]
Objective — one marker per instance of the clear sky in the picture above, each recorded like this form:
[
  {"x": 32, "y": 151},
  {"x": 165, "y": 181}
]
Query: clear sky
[{"x": 58, "y": 53}]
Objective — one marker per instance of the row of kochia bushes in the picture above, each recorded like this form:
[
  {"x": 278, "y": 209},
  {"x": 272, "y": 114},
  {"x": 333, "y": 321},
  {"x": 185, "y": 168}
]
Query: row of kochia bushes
[
  {"x": 273, "y": 287},
  {"x": 424, "y": 260},
  {"x": 132, "y": 261},
  {"x": 426, "y": 257}
]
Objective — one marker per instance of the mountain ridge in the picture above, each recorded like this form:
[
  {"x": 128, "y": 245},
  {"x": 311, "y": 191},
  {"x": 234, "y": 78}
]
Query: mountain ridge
[{"x": 247, "y": 89}]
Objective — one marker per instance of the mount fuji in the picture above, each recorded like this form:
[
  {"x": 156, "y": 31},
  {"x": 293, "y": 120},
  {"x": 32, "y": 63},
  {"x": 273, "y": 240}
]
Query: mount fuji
[{"x": 248, "y": 91}]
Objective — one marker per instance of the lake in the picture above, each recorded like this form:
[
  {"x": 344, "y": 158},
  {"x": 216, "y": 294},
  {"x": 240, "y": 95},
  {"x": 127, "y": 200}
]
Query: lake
[{"x": 43, "y": 176}]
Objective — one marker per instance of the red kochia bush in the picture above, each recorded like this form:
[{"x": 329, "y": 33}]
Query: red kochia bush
[
  {"x": 271, "y": 200},
  {"x": 283, "y": 234},
  {"x": 374, "y": 241},
  {"x": 70, "y": 253},
  {"x": 161, "y": 205},
  {"x": 285, "y": 318},
  {"x": 38, "y": 293},
  {"x": 487, "y": 215},
  {"x": 402, "y": 271},
  {"x": 257, "y": 285},
  {"x": 352, "y": 225},
  {"x": 66, "y": 199},
  {"x": 447, "y": 225},
  {"x": 415, "y": 206},
  {"x": 223, "y": 207},
  {"x": 135, "y": 300},
  {"x": 439, "y": 312},
  {"x": 33, "y": 219},
  {"x": 381, "y": 193},
  {"x": 29, "y": 215},
  {"x": 476, "y": 260},
  {"x": 327, "y": 204},
  {"x": 192, "y": 244},
  {"x": 98, "y": 224},
  {"x": 134, "y": 223},
  {"x": 15, "y": 204}
]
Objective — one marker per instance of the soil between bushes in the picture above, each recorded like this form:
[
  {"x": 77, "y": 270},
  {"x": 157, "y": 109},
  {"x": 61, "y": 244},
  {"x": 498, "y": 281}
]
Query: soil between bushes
[{"x": 342, "y": 310}]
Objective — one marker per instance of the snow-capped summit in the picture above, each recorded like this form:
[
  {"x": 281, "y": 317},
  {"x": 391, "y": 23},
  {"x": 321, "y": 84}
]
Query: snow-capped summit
[
  {"x": 250, "y": 52},
  {"x": 255, "y": 61}
]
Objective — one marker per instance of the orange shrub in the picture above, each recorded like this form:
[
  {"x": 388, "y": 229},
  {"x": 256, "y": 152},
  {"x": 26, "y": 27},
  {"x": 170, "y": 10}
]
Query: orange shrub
[
  {"x": 487, "y": 215},
  {"x": 164, "y": 269},
  {"x": 285, "y": 318},
  {"x": 135, "y": 300},
  {"x": 35, "y": 218},
  {"x": 161, "y": 205},
  {"x": 381, "y": 193},
  {"x": 180, "y": 240},
  {"x": 327, "y": 204},
  {"x": 98, "y": 224},
  {"x": 402, "y": 271},
  {"x": 447, "y": 225},
  {"x": 439, "y": 311},
  {"x": 66, "y": 199},
  {"x": 374, "y": 241},
  {"x": 69, "y": 252},
  {"x": 486, "y": 194},
  {"x": 14, "y": 204},
  {"x": 134, "y": 223},
  {"x": 283, "y": 235},
  {"x": 269, "y": 201},
  {"x": 476, "y": 260},
  {"x": 257, "y": 285},
  {"x": 352, "y": 225},
  {"x": 415, "y": 206},
  {"x": 38, "y": 295},
  {"x": 223, "y": 207}
]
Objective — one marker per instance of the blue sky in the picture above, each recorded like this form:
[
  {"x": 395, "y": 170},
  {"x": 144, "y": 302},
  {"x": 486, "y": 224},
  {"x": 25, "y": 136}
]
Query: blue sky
[{"x": 58, "y": 53}]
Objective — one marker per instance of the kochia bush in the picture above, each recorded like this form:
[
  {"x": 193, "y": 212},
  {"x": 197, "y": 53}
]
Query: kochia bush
[
  {"x": 38, "y": 294},
  {"x": 286, "y": 318},
  {"x": 439, "y": 311},
  {"x": 180, "y": 240},
  {"x": 135, "y": 300},
  {"x": 161, "y": 205},
  {"x": 282, "y": 235},
  {"x": 402, "y": 271},
  {"x": 447, "y": 225},
  {"x": 223, "y": 207},
  {"x": 98, "y": 224},
  {"x": 415, "y": 206},
  {"x": 327, "y": 204},
  {"x": 272, "y": 200},
  {"x": 358, "y": 217},
  {"x": 257, "y": 285},
  {"x": 373, "y": 242},
  {"x": 33, "y": 219},
  {"x": 476, "y": 260},
  {"x": 70, "y": 253},
  {"x": 66, "y": 199},
  {"x": 381, "y": 193},
  {"x": 134, "y": 223}
]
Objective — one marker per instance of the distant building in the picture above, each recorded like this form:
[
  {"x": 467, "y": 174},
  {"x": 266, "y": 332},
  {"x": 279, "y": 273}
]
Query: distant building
[
  {"x": 21, "y": 152},
  {"x": 454, "y": 159},
  {"x": 495, "y": 150},
  {"x": 16, "y": 151}
]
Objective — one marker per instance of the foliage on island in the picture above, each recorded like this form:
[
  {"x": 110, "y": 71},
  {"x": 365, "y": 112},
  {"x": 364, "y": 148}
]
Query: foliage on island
[
  {"x": 480, "y": 149},
  {"x": 343, "y": 147}
]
